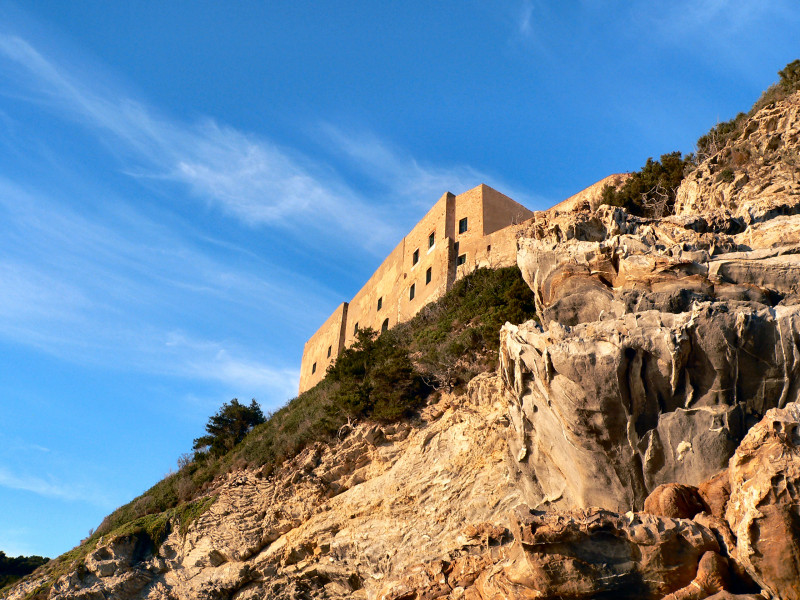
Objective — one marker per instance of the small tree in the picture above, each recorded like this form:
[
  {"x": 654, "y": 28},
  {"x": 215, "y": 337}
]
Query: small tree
[{"x": 228, "y": 427}]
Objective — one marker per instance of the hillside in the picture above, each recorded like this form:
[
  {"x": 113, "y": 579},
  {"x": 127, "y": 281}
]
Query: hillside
[{"x": 632, "y": 432}]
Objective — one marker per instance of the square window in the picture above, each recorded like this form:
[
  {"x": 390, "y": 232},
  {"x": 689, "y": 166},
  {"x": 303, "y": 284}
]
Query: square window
[
  {"x": 313, "y": 368},
  {"x": 411, "y": 291},
  {"x": 461, "y": 260},
  {"x": 428, "y": 276},
  {"x": 380, "y": 303},
  {"x": 415, "y": 257},
  {"x": 329, "y": 351},
  {"x": 462, "y": 225},
  {"x": 431, "y": 239}
]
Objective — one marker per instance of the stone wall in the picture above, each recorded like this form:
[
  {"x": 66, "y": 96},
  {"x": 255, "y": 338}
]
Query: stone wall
[
  {"x": 488, "y": 240},
  {"x": 322, "y": 348}
]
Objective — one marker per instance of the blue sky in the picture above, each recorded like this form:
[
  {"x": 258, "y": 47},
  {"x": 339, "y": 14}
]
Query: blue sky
[{"x": 187, "y": 190}]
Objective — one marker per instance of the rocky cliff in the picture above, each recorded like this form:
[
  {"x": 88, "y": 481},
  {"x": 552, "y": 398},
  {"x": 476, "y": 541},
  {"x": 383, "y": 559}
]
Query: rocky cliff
[{"x": 640, "y": 440}]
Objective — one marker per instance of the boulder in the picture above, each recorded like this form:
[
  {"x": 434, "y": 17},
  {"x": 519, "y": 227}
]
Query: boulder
[
  {"x": 676, "y": 501},
  {"x": 596, "y": 553}
]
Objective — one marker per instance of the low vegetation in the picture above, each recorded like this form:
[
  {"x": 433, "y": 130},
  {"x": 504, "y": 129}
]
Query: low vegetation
[{"x": 650, "y": 192}]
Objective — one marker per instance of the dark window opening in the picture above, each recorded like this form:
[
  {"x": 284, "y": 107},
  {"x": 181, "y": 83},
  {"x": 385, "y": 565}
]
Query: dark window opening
[
  {"x": 380, "y": 303},
  {"x": 355, "y": 329},
  {"x": 313, "y": 368},
  {"x": 411, "y": 291},
  {"x": 461, "y": 260},
  {"x": 385, "y": 325},
  {"x": 329, "y": 351},
  {"x": 415, "y": 257},
  {"x": 462, "y": 225},
  {"x": 431, "y": 239},
  {"x": 489, "y": 248},
  {"x": 428, "y": 276}
]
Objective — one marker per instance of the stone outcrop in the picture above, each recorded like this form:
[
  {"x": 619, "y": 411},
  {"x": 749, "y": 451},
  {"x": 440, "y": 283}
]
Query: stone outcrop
[
  {"x": 754, "y": 177},
  {"x": 659, "y": 341},
  {"x": 764, "y": 506},
  {"x": 587, "y": 553},
  {"x": 337, "y": 522},
  {"x": 675, "y": 500}
]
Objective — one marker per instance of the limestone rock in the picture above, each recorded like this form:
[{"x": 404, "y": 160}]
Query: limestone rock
[
  {"x": 759, "y": 188},
  {"x": 338, "y": 521},
  {"x": 659, "y": 342},
  {"x": 715, "y": 493},
  {"x": 675, "y": 500},
  {"x": 764, "y": 506},
  {"x": 604, "y": 412},
  {"x": 596, "y": 553},
  {"x": 712, "y": 577}
]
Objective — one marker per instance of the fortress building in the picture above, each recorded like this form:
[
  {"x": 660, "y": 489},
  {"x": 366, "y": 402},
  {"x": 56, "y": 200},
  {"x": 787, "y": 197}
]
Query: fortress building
[{"x": 459, "y": 234}]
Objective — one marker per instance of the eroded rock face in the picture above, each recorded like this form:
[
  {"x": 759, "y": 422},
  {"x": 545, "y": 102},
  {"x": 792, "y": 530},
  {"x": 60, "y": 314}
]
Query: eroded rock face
[
  {"x": 659, "y": 343},
  {"x": 596, "y": 553},
  {"x": 764, "y": 506},
  {"x": 604, "y": 412}
]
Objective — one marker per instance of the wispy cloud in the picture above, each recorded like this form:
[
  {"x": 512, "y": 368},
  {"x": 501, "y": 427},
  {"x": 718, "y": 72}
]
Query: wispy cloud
[
  {"x": 226, "y": 363},
  {"x": 248, "y": 177},
  {"x": 704, "y": 22},
  {"x": 405, "y": 177},
  {"x": 525, "y": 22},
  {"x": 93, "y": 292},
  {"x": 53, "y": 488}
]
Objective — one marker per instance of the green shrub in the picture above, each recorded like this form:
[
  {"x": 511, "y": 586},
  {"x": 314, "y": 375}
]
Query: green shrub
[
  {"x": 790, "y": 77},
  {"x": 726, "y": 175},
  {"x": 651, "y": 191},
  {"x": 719, "y": 135}
]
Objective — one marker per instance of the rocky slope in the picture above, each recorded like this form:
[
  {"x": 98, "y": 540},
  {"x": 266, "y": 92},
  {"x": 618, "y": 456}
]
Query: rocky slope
[
  {"x": 641, "y": 440},
  {"x": 337, "y": 522}
]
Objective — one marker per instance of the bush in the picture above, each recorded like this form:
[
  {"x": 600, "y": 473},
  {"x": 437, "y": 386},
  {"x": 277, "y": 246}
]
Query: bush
[
  {"x": 651, "y": 191},
  {"x": 726, "y": 175},
  {"x": 790, "y": 77},
  {"x": 719, "y": 135}
]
